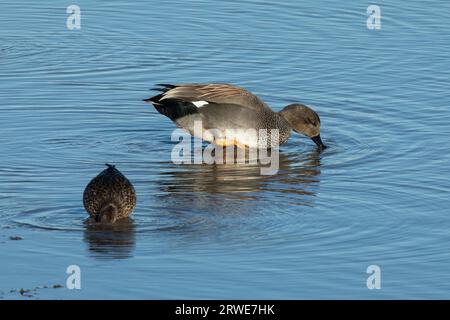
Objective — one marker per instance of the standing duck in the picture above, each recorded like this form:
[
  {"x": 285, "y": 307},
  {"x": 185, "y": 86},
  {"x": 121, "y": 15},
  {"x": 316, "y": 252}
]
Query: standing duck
[
  {"x": 110, "y": 196},
  {"x": 223, "y": 107}
]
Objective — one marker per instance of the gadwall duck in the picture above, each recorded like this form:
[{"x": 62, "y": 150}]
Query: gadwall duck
[
  {"x": 109, "y": 196},
  {"x": 223, "y": 106}
]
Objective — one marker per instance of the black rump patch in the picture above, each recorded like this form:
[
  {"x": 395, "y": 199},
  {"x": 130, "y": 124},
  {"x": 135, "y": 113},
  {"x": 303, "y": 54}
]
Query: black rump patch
[{"x": 173, "y": 108}]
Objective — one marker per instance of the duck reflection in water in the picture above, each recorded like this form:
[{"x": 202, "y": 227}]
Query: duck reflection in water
[
  {"x": 110, "y": 240},
  {"x": 227, "y": 188}
]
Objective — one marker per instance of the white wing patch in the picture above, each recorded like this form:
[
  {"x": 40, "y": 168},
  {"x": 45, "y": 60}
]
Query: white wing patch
[{"x": 199, "y": 104}]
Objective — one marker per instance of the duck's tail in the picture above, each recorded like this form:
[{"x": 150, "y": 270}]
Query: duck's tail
[{"x": 171, "y": 108}]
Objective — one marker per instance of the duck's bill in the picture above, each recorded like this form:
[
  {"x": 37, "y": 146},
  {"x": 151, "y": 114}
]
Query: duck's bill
[{"x": 317, "y": 140}]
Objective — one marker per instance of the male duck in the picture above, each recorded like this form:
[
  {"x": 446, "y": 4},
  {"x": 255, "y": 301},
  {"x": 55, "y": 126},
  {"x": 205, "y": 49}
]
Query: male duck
[{"x": 222, "y": 107}]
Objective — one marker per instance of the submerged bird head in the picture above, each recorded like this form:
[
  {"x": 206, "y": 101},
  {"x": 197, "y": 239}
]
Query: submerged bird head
[
  {"x": 108, "y": 213},
  {"x": 303, "y": 120}
]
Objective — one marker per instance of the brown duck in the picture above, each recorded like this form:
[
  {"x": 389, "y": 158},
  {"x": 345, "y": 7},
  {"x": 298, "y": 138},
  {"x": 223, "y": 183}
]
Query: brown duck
[
  {"x": 110, "y": 196},
  {"x": 224, "y": 106}
]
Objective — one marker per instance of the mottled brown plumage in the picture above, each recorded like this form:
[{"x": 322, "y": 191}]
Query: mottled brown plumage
[{"x": 110, "y": 196}]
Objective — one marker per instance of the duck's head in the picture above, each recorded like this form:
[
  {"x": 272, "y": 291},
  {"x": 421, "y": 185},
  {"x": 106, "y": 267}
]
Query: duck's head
[
  {"x": 303, "y": 120},
  {"x": 108, "y": 213}
]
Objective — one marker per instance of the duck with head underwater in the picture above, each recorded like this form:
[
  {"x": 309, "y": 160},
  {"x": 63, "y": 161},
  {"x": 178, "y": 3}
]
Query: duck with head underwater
[{"x": 109, "y": 196}]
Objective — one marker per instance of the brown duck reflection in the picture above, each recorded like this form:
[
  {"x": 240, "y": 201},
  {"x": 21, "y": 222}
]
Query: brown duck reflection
[
  {"x": 111, "y": 240},
  {"x": 217, "y": 187}
]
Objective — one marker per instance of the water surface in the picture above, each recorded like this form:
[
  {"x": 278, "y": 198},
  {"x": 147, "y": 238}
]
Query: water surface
[{"x": 71, "y": 100}]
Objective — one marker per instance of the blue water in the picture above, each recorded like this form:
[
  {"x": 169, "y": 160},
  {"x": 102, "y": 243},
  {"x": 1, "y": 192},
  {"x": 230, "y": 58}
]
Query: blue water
[{"x": 71, "y": 100}]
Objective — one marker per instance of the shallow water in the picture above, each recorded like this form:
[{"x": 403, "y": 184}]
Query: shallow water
[{"x": 71, "y": 100}]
